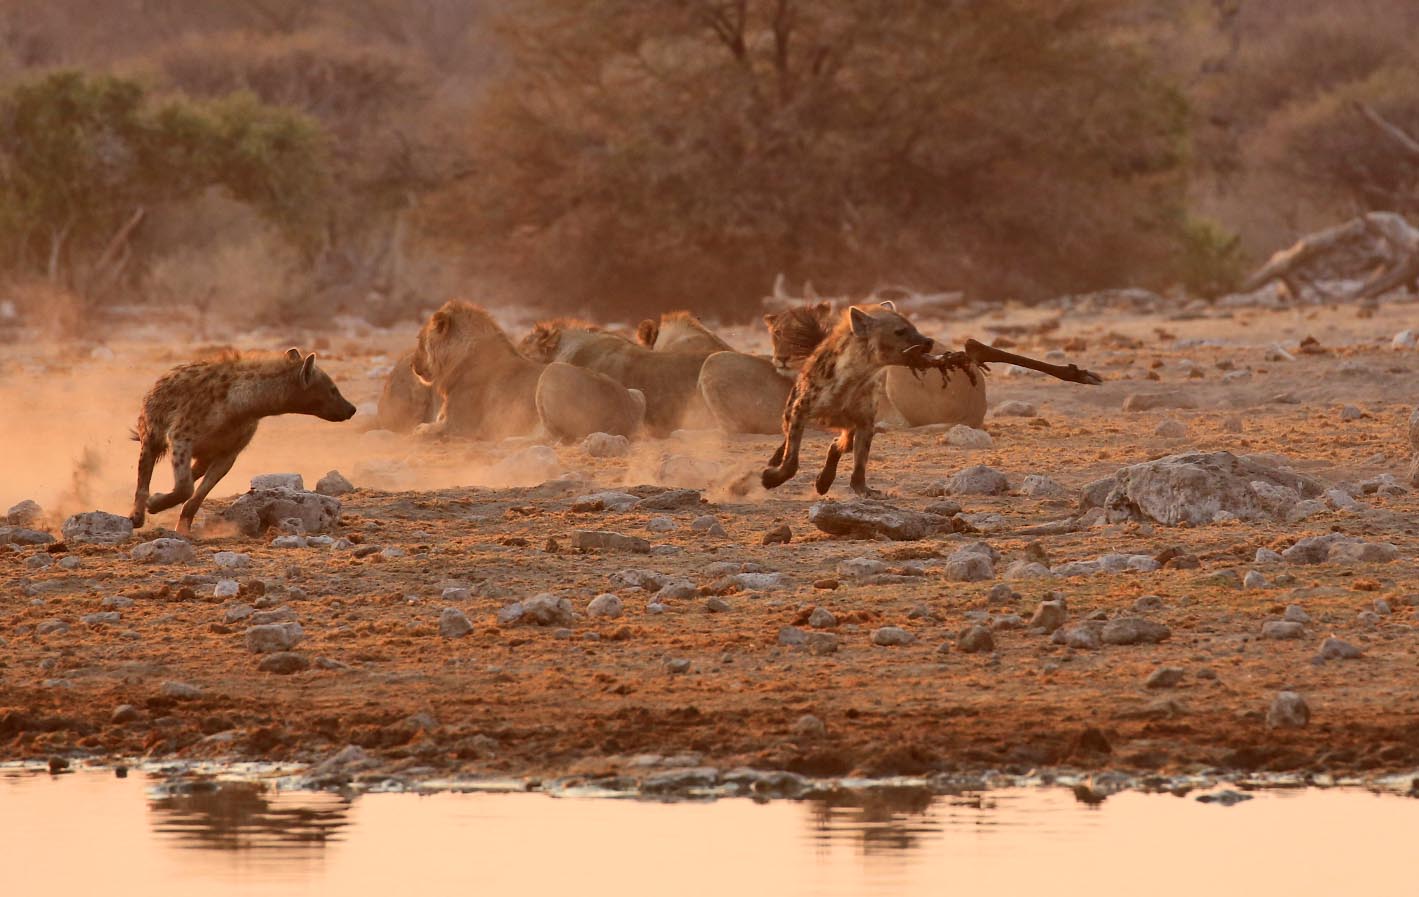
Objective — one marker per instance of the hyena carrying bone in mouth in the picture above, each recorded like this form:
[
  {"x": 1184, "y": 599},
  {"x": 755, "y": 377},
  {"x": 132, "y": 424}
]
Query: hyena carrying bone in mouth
[
  {"x": 207, "y": 412},
  {"x": 839, "y": 387}
]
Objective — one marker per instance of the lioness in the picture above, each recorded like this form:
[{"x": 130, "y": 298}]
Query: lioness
[
  {"x": 487, "y": 389},
  {"x": 680, "y": 331},
  {"x": 669, "y": 380}
]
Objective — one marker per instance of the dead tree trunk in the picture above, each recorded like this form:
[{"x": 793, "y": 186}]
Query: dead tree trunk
[{"x": 1399, "y": 239}]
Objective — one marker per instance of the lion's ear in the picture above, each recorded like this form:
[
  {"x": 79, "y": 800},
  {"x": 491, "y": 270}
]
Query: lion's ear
[
  {"x": 442, "y": 322},
  {"x": 647, "y": 333},
  {"x": 824, "y": 307},
  {"x": 769, "y": 321}
]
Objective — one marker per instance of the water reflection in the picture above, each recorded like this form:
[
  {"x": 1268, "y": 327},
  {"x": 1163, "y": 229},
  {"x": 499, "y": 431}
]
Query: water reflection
[
  {"x": 879, "y": 820},
  {"x": 247, "y": 816}
]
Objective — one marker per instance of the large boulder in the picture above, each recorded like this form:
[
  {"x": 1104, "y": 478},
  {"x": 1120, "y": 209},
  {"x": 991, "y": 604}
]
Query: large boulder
[
  {"x": 1194, "y": 487},
  {"x": 869, "y": 519},
  {"x": 260, "y": 509}
]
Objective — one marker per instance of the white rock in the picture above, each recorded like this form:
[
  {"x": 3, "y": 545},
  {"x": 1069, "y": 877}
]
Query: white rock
[
  {"x": 966, "y": 437},
  {"x": 605, "y": 605},
  {"x": 1037, "y": 485},
  {"x": 1015, "y": 408},
  {"x": 226, "y": 588},
  {"x": 291, "y": 481}
]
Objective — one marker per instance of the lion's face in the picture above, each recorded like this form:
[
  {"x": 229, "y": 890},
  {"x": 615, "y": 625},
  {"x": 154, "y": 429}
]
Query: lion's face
[
  {"x": 795, "y": 333},
  {"x": 448, "y": 337},
  {"x": 541, "y": 343}
]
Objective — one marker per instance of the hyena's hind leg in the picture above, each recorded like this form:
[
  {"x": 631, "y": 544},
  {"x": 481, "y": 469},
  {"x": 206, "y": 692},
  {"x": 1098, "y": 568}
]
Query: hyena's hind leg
[
  {"x": 148, "y": 455},
  {"x": 212, "y": 472},
  {"x": 862, "y": 447},
  {"x": 841, "y": 446},
  {"x": 181, "y": 478},
  {"x": 784, "y": 463}
]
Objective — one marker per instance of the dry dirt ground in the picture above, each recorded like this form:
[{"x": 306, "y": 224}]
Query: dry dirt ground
[{"x": 599, "y": 695}]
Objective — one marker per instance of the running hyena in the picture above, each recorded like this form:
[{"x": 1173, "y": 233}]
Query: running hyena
[
  {"x": 839, "y": 388},
  {"x": 207, "y": 412}
]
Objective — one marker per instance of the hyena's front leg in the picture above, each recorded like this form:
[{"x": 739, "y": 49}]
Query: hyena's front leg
[
  {"x": 862, "y": 447},
  {"x": 787, "y": 455},
  {"x": 147, "y": 457},
  {"x": 840, "y": 446}
]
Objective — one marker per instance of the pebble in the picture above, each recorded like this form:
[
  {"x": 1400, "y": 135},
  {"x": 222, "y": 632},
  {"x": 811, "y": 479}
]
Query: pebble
[
  {"x": 284, "y": 663},
  {"x": 1015, "y": 408},
  {"x": 809, "y": 726},
  {"x": 1048, "y": 616},
  {"x": 708, "y": 524},
  {"x": 778, "y": 535},
  {"x": 822, "y": 644},
  {"x": 822, "y": 618},
  {"x": 856, "y": 568},
  {"x": 1254, "y": 580},
  {"x": 1282, "y": 629},
  {"x": 975, "y": 639},
  {"x": 1295, "y": 614},
  {"x": 891, "y": 636},
  {"x": 1337, "y": 649},
  {"x": 717, "y": 605},
  {"x": 606, "y": 605},
  {"x": 1171, "y": 429},
  {"x": 792, "y": 636},
  {"x": 588, "y": 540},
  {"x": 1164, "y": 677},
  {"x": 676, "y": 666},
  {"x": 1288, "y": 710},
  {"x": 271, "y": 637},
  {"x": 181, "y": 690},
  {"x": 1134, "y": 631},
  {"x": 606, "y": 445},
  {"x": 661, "y": 524},
  {"x": 454, "y": 623},
  {"x": 966, "y": 437}
]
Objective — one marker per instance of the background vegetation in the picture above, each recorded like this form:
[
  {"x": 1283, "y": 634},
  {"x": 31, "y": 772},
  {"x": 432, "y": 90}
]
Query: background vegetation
[{"x": 303, "y": 158}]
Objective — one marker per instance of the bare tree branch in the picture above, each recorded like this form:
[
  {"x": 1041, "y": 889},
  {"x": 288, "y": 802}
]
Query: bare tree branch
[{"x": 1389, "y": 129}]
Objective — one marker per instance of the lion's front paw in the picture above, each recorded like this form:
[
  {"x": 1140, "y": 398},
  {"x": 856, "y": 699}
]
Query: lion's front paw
[{"x": 434, "y": 430}]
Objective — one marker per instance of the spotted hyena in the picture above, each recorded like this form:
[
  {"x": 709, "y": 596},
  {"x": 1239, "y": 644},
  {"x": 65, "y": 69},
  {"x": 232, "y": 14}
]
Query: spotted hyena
[
  {"x": 206, "y": 413},
  {"x": 839, "y": 387}
]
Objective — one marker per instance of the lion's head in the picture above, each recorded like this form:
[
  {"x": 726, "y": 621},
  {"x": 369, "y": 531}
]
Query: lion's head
[
  {"x": 795, "y": 333},
  {"x": 450, "y": 336}
]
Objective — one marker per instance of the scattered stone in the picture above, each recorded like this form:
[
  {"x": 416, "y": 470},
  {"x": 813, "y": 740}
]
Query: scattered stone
[
  {"x": 1164, "y": 677},
  {"x": 101, "y": 618},
  {"x": 1171, "y": 429},
  {"x": 975, "y": 639},
  {"x": 1082, "y": 636},
  {"x": 454, "y": 623},
  {"x": 717, "y": 605},
  {"x": 866, "y": 518},
  {"x": 1296, "y": 614},
  {"x": 1282, "y": 629},
  {"x": 778, "y": 535},
  {"x": 1254, "y": 580},
  {"x": 756, "y": 582},
  {"x": 605, "y": 501},
  {"x": 822, "y": 618},
  {"x": 261, "y": 509},
  {"x": 182, "y": 691},
  {"x": 119, "y": 601},
  {"x": 70, "y": 562},
  {"x": 51, "y": 627},
  {"x": 291, "y": 481},
  {"x": 1048, "y": 616},
  {"x": 856, "y": 568},
  {"x": 238, "y": 612},
  {"x": 334, "y": 483},
  {"x": 606, "y": 445},
  {"x": 678, "y": 590},
  {"x": 1337, "y": 649},
  {"x": 968, "y": 565},
  {"x": 124, "y": 713},
  {"x": 792, "y": 636},
  {"x": 1148, "y": 401},
  {"x": 18, "y": 535},
  {"x": 547, "y": 609},
  {"x": 670, "y": 500},
  {"x": 677, "y": 666},
  {"x": 1134, "y": 631},
  {"x": 709, "y": 525},
  {"x": 1040, "y": 486},
  {"x": 590, "y": 540},
  {"x": 661, "y": 524},
  {"x": 809, "y": 726},
  {"x": 39, "y": 561},
  {"x": 966, "y": 437},
  {"x": 1288, "y": 711},
  {"x": 892, "y": 636},
  {"x": 606, "y": 605},
  {"x": 821, "y": 644},
  {"x": 284, "y": 663},
  {"x": 1405, "y": 339},
  {"x": 271, "y": 637},
  {"x": 97, "y": 528},
  {"x": 1226, "y": 798},
  {"x": 1339, "y": 548},
  {"x": 1018, "y": 570},
  {"x": 977, "y": 480},
  {"x": 1015, "y": 408}
]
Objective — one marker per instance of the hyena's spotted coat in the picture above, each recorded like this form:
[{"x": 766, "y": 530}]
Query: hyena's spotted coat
[
  {"x": 206, "y": 413},
  {"x": 840, "y": 386}
]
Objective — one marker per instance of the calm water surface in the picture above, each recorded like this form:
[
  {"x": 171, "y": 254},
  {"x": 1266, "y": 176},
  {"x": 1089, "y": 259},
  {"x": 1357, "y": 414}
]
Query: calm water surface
[{"x": 94, "y": 835}]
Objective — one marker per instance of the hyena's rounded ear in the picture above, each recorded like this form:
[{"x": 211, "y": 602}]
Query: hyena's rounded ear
[
  {"x": 308, "y": 369},
  {"x": 647, "y": 333},
  {"x": 861, "y": 321},
  {"x": 293, "y": 354},
  {"x": 888, "y": 304}
]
